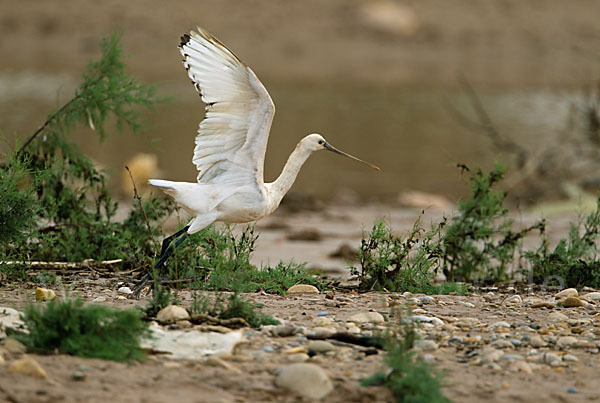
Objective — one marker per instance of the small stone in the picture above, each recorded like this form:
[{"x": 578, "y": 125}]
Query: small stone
[
  {"x": 570, "y": 302},
  {"x": 540, "y": 303},
  {"x": 320, "y": 347},
  {"x": 520, "y": 366},
  {"x": 557, "y": 317},
  {"x": 172, "y": 313},
  {"x": 99, "y": 299},
  {"x": 502, "y": 344},
  {"x": 283, "y": 330},
  {"x": 569, "y": 292},
  {"x": 353, "y": 330},
  {"x": 323, "y": 321},
  {"x": 572, "y": 390},
  {"x": 303, "y": 289},
  {"x": 426, "y": 345},
  {"x": 218, "y": 362},
  {"x": 324, "y": 313},
  {"x": 490, "y": 355},
  {"x": 28, "y": 366},
  {"x": 367, "y": 317},
  {"x": 592, "y": 296},
  {"x": 307, "y": 380},
  {"x": 321, "y": 332},
  {"x": 14, "y": 347},
  {"x": 44, "y": 294},
  {"x": 570, "y": 358},
  {"x": 500, "y": 324},
  {"x": 78, "y": 376},
  {"x": 513, "y": 299},
  {"x": 566, "y": 341},
  {"x": 296, "y": 350},
  {"x": 550, "y": 359},
  {"x": 125, "y": 290},
  {"x": 467, "y": 322},
  {"x": 184, "y": 324},
  {"x": 536, "y": 341}
]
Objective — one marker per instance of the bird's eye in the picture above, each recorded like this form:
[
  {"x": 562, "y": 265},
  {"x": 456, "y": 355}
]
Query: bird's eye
[{"x": 321, "y": 142}]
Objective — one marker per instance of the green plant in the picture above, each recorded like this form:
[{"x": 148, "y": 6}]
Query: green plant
[
  {"x": 479, "y": 243},
  {"x": 409, "y": 378},
  {"x": 94, "y": 331},
  {"x": 392, "y": 263},
  {"x": 218, "y": 260},
  {"x": 18, "y": 206},
  {"x": 234, "y": 307},
  {"x": 74, "y": 212},
  {"x": 574, "y": 260}
]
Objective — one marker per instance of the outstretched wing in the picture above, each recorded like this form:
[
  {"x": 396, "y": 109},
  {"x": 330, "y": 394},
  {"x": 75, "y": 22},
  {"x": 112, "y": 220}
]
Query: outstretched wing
[{"x": 232, "y": 138}]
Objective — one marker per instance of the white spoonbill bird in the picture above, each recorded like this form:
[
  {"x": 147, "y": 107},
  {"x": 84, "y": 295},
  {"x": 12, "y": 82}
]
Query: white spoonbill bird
[{"x": 231, "y": 143}]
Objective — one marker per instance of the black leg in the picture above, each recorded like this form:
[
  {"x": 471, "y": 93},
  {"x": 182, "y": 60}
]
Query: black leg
[
  {"x": 167, "y": 240},
  {"x": 170, "y": 251}
]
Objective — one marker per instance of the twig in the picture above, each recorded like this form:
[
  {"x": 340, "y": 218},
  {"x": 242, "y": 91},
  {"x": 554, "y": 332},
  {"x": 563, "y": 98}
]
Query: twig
[
  {"x": 46, "y": 123},
  {"x": 62, "y": 265},
  {"x": 139, "y": 199}
]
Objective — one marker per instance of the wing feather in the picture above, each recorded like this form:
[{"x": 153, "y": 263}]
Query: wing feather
[{"x": 232, "y": 138}]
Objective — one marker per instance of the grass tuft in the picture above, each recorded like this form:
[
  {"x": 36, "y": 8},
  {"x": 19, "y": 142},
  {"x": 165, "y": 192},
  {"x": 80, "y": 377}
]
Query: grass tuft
[{"x": 91, "y": 331}]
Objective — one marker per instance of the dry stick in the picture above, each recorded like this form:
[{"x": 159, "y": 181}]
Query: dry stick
[
  {"x": 139, "y": 199},
  {"x": 46, "y": 123}
]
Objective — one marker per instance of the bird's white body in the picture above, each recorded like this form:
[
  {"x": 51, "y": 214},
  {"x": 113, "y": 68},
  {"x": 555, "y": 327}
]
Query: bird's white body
[{"x": 232, "y": 140}]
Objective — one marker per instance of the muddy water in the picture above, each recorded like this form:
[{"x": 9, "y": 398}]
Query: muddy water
[{"x": 411, "y": 133}]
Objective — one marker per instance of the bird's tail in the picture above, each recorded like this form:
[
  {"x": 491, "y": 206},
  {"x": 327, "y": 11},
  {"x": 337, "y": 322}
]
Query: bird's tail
[{"x": 168, "y": 187}]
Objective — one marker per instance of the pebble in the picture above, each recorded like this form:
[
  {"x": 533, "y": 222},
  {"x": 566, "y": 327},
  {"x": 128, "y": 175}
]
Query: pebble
[
  {"x": 319, "y": 347},
  {"x": 28, "y": 366},
  {"x": 428, "y": 299},
  {"x": 566, "y": 341},
  {"x": 367, "y": 317},
  {"x": 467, "y": 322},
  {"x": 78, "y": 376},
  {"x": 570, "y": 302},
  {"x": 172, "y": 313},
  {"x": 513, "y": 299},
  {"x": 536, "y": 341},
  {"x": 592, "y": 296},
  {"x": 557, "y": 317},
  {"x": 307, "y": 380},
  {"x": 322, "y": 321},
  {"x": 426, "y": 345},
  {"x": 540, "y": 303},
  {"x": 502, "y": 344},
  {"x": 353, "y": 330},
  {"x": 44, "y": 294},
  {"x": 125, "y": 290},
  {"x": 569, "y": 292},
  {"x": 520, "y": 366},
  {"x": 550, "y": 359},
  {"x": 303, "y": 289},
  {"x": 324, "y": 313},
  {"x": 572, "y": 390},
  {"x": 321, "y": 332},
  {"x": 283, "y": 330},
  {"x": 570, "y": 358},
  {"x": 500, "y": 324}
]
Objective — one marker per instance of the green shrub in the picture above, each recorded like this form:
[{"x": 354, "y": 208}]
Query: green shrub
[
  {"x": 574, "y": 261},
  {"x": 93, "y": 331},
  {"x": 479, "y": 243},
  {"x": 220, "y": 261}
]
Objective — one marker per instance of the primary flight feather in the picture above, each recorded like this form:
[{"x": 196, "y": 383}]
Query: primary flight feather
[{"x": 231, "y": 143}]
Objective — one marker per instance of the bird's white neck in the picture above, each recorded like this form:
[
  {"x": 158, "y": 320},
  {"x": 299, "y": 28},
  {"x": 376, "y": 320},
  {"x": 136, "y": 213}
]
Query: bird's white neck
[{"x": 278, "y": 189}]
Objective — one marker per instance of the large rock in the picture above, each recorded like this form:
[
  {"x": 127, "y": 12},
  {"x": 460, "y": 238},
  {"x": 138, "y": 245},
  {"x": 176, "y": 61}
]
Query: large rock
[
  {"x": 172, "y": 313},
  {"x": 28, "y": 366},
  {"x": 303, "y": 289},
  {"x": 307, "y": 380},
  {"x": 367, "y": 317},
  {"x": 14, "y": 347},
  {"x": 571, "y": 302},
  {"x": 192, "y": 344}
]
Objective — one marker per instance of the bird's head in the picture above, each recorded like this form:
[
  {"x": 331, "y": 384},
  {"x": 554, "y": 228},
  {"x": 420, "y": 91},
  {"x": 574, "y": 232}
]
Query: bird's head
[{"x": 316, "y": 142}]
